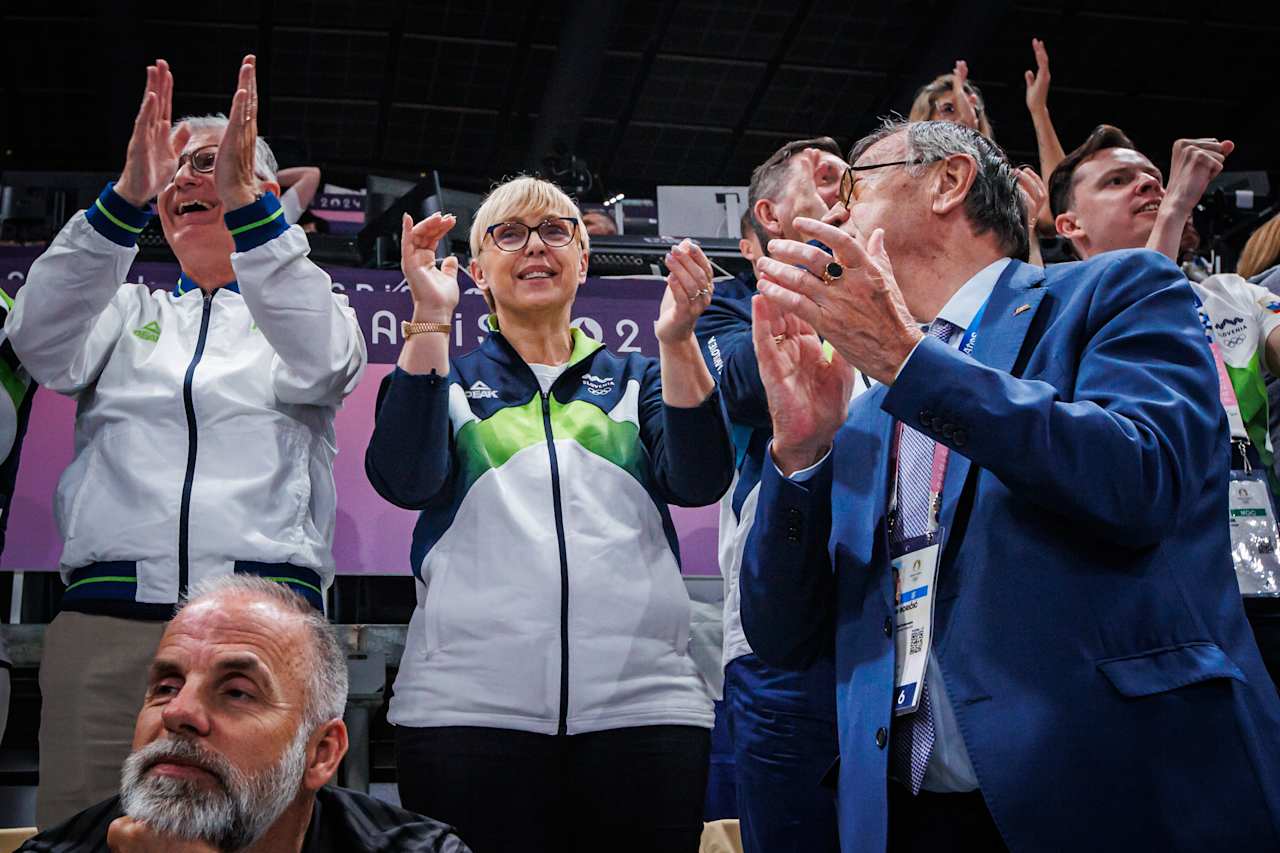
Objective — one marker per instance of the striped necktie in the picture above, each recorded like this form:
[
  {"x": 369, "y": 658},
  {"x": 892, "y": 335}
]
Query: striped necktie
[{"x": 913, "y": 734}]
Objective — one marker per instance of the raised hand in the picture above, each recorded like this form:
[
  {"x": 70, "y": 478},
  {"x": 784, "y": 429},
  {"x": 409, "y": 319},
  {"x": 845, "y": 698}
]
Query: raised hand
[
  {"x": 233, "y": 174},
  {"x": 966, "y": 103},
  {"x": 1196, "y": 162},
  {"x": 689, "y": 289},
  {"x": 808, "y": 394},
  {"x": 151, "y": 159},
  {"x": 435, "y": 291},
  {"x": 1038, "y": 81},
  {"x": 861, "y": 312}
]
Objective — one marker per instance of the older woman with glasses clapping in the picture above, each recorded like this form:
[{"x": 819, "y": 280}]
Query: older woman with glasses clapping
[{"x": 546, "y": 692}]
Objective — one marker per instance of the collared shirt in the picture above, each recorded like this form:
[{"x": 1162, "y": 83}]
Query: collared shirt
[
  {"x": 342, "y": 821},
  {"x": 950, "y": 769}
]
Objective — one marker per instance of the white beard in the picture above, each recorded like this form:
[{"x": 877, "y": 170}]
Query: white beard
[{"x": 232, "y": 816}]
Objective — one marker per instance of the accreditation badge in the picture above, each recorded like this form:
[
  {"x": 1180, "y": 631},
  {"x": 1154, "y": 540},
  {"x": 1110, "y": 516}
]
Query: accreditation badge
[
  {"x": 915, "y": 573},
  {"x": 1254, "y": 540}
]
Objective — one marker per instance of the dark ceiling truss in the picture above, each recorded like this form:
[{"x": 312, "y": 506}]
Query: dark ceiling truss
[
  {"x": 673, "y": 91},
  {"x": 518, "y": 80},
  {"x": 780, "y": 52},
  {"x": 647, "y": 57},
  {"x": 394, "y": 46}
]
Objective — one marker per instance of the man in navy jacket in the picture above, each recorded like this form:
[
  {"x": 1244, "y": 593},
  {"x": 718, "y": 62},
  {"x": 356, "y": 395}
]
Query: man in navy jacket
[
  {"x": 1093, "y": 681},
  {"x": 781, "y": 721}
]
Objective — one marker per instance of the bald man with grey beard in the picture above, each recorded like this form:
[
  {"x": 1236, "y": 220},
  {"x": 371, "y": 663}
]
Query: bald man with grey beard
[{"x": 239, "y": 735}]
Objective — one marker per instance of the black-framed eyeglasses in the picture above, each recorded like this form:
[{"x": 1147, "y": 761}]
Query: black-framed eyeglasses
[
  {"x": 849, "y": 182},
  {"x": 556, "y": 231},
  {"x": 201, "y": 160}
]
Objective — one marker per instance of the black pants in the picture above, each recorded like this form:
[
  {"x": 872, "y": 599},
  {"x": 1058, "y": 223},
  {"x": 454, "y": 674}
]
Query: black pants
[
  {"x": 636, "y": 789},
  {"x": 940, "y": 823},
  {"x": 1264, "y": 619}
]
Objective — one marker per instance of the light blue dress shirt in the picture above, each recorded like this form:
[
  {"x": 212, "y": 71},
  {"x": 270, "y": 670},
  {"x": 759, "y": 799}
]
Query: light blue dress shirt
[{"x": 950, "y": 770}]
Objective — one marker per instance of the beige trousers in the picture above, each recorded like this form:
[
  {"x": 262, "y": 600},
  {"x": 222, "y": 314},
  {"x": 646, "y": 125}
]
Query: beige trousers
[{"x": 92, "y": 679}]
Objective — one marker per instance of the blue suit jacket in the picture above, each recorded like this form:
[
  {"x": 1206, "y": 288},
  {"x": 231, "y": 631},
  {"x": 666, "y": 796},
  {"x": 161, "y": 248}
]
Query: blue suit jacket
[{"x": 1087, "y": 622}]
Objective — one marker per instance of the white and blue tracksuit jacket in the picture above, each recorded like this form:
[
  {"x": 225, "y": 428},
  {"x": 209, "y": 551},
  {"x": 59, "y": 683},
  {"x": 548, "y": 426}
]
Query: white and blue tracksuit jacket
[
  {"x": 550, "y": 597},
  {"x": 204, "y": 438}
]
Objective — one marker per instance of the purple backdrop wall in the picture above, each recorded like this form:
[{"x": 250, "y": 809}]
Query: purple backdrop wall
[{"x": 372, "y": 536}]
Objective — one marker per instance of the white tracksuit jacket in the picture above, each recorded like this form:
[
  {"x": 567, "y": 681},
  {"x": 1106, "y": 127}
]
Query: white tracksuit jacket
[{"x": 204, "y": 430}]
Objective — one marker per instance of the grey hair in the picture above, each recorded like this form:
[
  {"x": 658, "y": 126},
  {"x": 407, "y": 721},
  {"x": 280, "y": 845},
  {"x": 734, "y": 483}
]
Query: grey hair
[
  {"x": 264, "y": 161},
  {"x": 327, "y": 688},
  {"x": 994, "y": 203}
]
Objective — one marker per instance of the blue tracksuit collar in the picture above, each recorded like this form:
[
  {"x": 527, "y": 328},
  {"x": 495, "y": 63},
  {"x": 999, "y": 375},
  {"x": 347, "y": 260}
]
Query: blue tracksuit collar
[{"x": 186, "y": 284}]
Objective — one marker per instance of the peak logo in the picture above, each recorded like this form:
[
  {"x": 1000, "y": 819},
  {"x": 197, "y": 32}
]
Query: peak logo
[
  {"x": 598, "y": 385},
  {"x": 480, "y": 391}
]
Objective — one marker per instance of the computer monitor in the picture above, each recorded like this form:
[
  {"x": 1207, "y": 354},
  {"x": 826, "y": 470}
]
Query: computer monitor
[
  {"x": 35, "y": 205},
  {"x": 381, "y": 192},
  {"x": 701, "y": 211},
  {"x": 379, "y": 239},
  {"x": 463, "y": 206}
]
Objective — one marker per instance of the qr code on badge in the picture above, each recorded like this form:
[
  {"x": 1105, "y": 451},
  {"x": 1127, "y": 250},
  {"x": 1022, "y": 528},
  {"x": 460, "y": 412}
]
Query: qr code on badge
[{"x": 917, "y": 641}]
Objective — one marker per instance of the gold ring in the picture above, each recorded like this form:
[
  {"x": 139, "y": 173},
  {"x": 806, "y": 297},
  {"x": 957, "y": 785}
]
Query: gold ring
[
  {"x": 831, "y": 272},
  {"x": 705, "y": 291},
  {"x": 778, "y": 339}
]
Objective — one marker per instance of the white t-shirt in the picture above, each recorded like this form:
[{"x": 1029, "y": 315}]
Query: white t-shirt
[
  {"x": 547, "y": 374},
  {"x": 291, "y": 205}
]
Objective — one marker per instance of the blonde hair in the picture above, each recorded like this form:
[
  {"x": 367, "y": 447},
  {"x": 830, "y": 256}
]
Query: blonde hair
[
  {"x": 927, "y": 98},
  {"x": 1262, "y": 251},
  {"x": 524, "y": 195}
]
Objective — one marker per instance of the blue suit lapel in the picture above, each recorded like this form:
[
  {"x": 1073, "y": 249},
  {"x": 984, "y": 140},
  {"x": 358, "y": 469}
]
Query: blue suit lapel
[
  {"x": 870, "y": 423},
  {"x": 1013, "y": 305}
]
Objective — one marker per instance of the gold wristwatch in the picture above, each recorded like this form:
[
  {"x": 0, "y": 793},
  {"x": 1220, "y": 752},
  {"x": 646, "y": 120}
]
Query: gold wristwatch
[{"x": 408, "y": 330}]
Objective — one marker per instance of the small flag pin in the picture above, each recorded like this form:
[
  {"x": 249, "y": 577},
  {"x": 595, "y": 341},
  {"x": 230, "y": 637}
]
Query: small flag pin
[{"x": 1020, "y": 309}]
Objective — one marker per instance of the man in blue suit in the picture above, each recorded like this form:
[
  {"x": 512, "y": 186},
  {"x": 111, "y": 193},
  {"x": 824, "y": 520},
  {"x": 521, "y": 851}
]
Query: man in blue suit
[{"x": 1061, "y": 661}]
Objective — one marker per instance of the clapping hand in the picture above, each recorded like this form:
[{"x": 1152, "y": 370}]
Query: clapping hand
[
  {"x": 233, "y": 175},
  {"x": 127, "y": 835},
  {"x": 1034, "y": 195},
  {"x": 858, "y": 307},
  {"x": 689, "y": 289},
  {"x": 434, "y": 290},
  {"x": 807, "y": 393},
  {"x": 151, "y": 159}
]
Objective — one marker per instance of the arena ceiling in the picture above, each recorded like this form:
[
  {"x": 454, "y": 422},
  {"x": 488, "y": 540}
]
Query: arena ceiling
[{"x": 643, "y": 91}]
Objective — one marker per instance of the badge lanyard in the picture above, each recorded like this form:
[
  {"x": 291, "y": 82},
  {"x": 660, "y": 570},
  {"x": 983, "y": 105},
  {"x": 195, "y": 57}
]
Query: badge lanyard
[
  {"x": 916, "y": 571},
  {"x": 1250, "y": 513},
  {"x": 1226, "y": 391}
]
